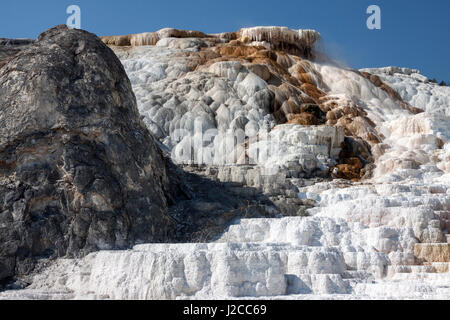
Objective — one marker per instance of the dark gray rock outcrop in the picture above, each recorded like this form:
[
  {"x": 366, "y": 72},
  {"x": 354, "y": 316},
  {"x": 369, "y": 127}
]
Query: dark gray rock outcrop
[
  {"x": 10, "y": 47},
  {"x": 79, "y": 171}
]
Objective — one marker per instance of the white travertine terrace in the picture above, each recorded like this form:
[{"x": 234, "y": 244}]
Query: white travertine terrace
[
  {"x": 281, "y": 37},
  {"x": 308, "y": 148},
  {"x": 151, "y": 38}
]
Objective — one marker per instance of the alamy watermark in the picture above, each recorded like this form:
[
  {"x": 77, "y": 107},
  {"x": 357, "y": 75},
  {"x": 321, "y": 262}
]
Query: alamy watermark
[
  {"x": 74, "y": 20},
  {"x": 374, "y": 21}
]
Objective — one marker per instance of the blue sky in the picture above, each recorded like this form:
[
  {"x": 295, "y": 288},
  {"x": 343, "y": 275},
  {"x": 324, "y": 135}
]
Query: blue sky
[{"x": 415, "y": 33}]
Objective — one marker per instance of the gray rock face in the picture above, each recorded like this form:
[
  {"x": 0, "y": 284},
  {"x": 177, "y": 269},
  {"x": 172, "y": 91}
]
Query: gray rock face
[
  {"x": 79, "y": 171},
  {"x": 10, "y": 47}
]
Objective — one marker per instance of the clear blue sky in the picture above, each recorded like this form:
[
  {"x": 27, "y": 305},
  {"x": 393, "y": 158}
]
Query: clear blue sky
[{"x": 415, "y": 33}]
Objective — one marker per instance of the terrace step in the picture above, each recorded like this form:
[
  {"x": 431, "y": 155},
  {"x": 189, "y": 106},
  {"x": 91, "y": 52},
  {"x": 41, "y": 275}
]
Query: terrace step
[
  {"x": 37, "y": 295},
  {"x": 393, "y": 270},
  {"x": 402, "y": 289},
  {"x": 432, "y": 252},
  {"x": 441, "y": 267}
]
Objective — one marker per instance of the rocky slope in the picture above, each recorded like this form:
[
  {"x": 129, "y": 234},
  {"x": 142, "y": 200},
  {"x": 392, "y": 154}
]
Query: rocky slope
[
  {"x": 355, "y": 162},
  {"x": 79, "y": 171}
]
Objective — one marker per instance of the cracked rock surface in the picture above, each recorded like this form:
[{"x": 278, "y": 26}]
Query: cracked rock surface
[{"x": 79, "y": 171}]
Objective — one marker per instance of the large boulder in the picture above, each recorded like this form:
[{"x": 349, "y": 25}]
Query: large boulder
[{"x": 79, "y": 171}]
